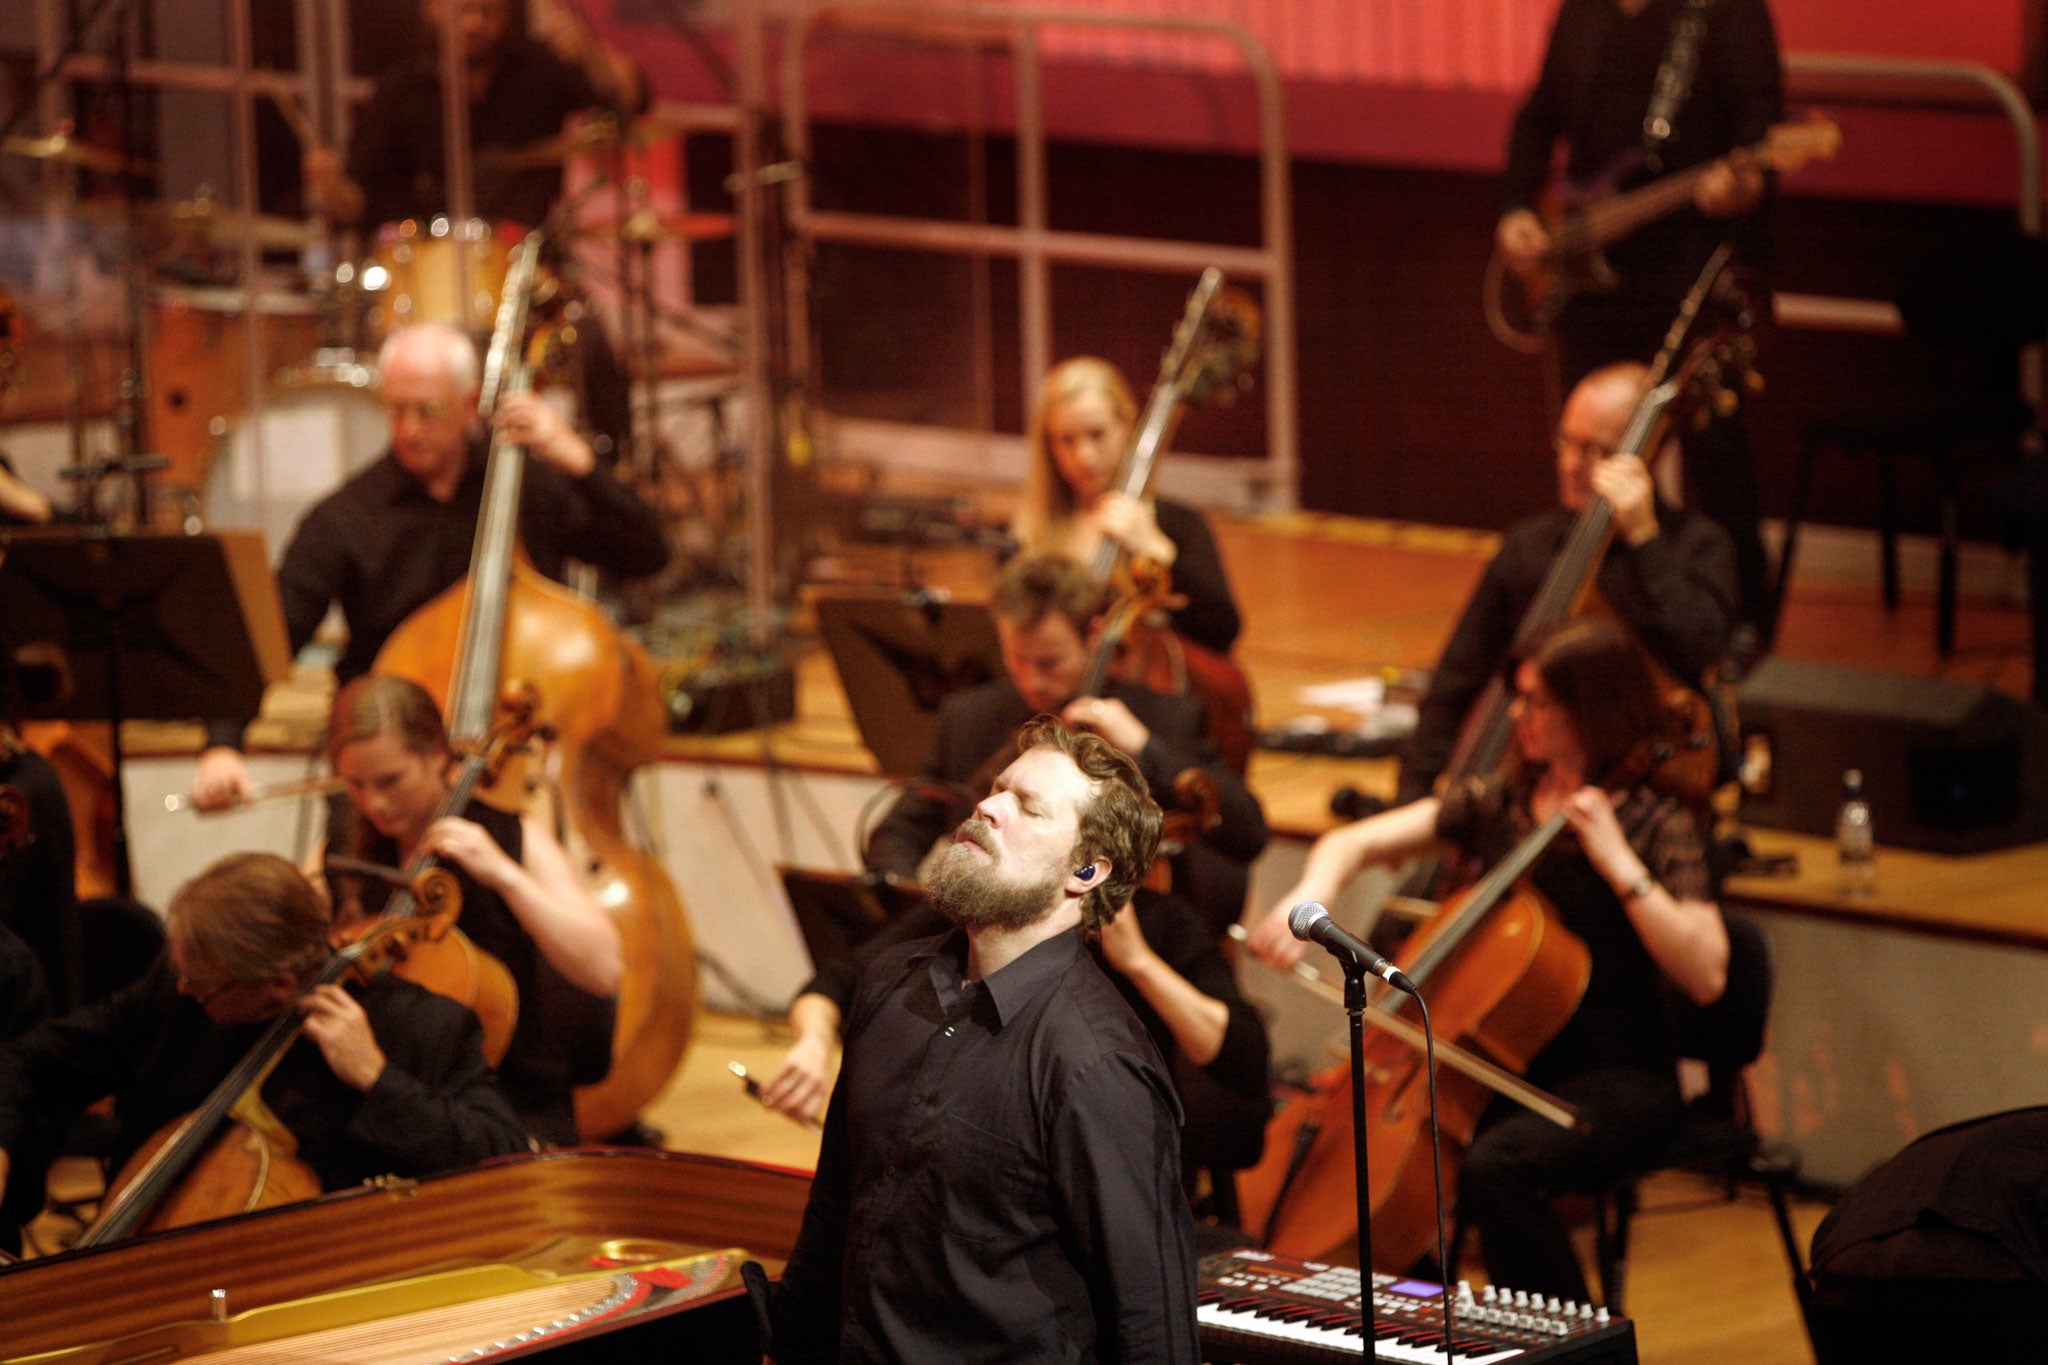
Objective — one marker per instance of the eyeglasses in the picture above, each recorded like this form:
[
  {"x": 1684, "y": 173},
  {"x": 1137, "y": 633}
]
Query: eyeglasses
[
  {"x": 423, "y": 412},
  {"x": 206, "y": 995},
  {"x": 1597, "y": 450}
]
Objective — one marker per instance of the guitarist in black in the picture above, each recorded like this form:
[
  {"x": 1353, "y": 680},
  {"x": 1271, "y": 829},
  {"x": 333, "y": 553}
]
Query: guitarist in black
[{"x": 1636, "y": 90}]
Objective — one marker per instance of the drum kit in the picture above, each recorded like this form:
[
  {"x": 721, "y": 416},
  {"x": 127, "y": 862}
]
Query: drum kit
[{"x": 262, "y": 399}]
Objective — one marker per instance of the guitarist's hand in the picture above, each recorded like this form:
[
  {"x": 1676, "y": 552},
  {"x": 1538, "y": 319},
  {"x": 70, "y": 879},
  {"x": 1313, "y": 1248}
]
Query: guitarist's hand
[
  {"x": 1624, "y": 481},
  {"x": 1724, "y": 192},
  {"x": 329, "y": 190},
  {"x": 1522, "y": 240}
]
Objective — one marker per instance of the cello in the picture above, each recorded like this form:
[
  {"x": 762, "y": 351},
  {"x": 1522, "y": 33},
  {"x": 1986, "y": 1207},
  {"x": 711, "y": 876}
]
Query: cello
[
  {"x": 1503, "y": 977},
  {"x": 599, "y": 696},
  {"x": 1506, "y": 976},
  {"x": 1215, "y": 342},
  {"x": 232, "y": 1154}
]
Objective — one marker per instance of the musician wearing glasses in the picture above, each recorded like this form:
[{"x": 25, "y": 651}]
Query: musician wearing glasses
[
  {"x": 1668, "y": 574},
  {"x": 1627, "y": 876},
  {"x": 398, "y": 534},
  {"x": 386, "y": 1078}
]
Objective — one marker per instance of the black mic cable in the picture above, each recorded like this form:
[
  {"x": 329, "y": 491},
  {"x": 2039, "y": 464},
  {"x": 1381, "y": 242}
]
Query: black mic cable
[{"x": 1436, "y": 1157}]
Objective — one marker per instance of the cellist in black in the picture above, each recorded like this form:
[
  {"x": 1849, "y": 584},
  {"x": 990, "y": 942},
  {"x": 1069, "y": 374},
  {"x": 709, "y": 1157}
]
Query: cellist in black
[
  {"x": 386, "y": 1078},
  {"x": 1629, "y": 878}
]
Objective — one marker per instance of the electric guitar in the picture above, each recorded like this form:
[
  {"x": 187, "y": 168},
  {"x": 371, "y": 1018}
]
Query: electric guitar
[{"x": 1582, "y": 221}]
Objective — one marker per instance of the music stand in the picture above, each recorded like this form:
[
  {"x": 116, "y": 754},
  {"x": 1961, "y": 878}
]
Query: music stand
[
  {"x": 899, "y": 655},
  {"x": 836, "y": 912},
  {"x": 143, "y": 626}
]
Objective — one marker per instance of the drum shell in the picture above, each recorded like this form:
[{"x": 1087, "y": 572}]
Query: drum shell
[{"x": 415, "y": 273}]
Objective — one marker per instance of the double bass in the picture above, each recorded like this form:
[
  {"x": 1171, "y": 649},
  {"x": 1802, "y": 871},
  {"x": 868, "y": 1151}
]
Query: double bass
[
  {"x": 1215, "y": 342},
  {"x": 599, "y": 696}
]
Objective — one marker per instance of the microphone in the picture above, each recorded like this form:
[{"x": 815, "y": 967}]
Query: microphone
[{"x": 1311, "y": 923}]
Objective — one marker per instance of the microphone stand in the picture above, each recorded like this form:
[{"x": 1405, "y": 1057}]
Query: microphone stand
[{"x": 1354, "y": 1010}]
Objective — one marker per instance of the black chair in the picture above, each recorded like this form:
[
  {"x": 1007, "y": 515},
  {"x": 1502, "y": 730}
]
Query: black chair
[
  {"x": 1716, "y": 1137},
  {"x": 1968, "y": 310},
  {"x": 119, "y": 939}
]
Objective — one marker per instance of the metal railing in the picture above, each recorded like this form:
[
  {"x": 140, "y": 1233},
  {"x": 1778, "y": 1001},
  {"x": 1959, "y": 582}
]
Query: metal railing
[
  {"x": 1031, "y": 242},
  {"x": 1905, "y": 81}
]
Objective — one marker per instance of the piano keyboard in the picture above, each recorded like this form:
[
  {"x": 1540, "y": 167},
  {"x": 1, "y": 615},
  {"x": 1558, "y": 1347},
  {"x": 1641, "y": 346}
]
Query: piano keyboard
[{"x": 1255, "y": 1307}]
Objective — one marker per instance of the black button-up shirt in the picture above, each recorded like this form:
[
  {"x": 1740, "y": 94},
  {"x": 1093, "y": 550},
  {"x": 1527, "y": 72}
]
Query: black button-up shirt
[
  {"x": 383, "y": 548},
  {"x": 1000, "y": 1174}
]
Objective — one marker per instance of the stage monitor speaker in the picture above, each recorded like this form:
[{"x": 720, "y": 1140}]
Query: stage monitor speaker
[{"x": 1947, "y": 767}]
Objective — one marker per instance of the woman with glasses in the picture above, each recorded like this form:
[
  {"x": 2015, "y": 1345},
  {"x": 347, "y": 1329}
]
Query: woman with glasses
[{"x": 1627, "y": 876}]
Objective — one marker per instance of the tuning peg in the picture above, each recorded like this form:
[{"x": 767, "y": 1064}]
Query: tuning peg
[
  {"x": 1726, "y": 401},
  {"x": 1753, "y": 382}
]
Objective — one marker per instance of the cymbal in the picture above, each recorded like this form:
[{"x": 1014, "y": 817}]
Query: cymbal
[
  {"x": 593, "y": 136},
  {"x": 222, "y": 226},
  {"x": 64, "y": 148},
  {"x": 649, "y": 225}
]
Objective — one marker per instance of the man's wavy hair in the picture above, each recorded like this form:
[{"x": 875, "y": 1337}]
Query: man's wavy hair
[
  {"x": 1120, "y": 823},
  {"x": 251, "y": 916}
]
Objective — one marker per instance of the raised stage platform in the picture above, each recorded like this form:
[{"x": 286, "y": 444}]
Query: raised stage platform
[{"x": 1877, "y": 999}]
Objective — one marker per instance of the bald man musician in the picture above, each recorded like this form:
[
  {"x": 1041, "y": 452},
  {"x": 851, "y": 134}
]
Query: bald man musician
[
  {"x": 1668, "y": 575},
  {"x": 398, "y": 534}
]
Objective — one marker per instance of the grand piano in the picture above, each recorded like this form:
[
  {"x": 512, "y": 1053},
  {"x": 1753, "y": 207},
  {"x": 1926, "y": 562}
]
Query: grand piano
[{"x": 594, "y": 1254}]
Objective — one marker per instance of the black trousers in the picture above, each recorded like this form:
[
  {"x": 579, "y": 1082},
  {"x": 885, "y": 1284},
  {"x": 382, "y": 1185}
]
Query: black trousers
[{"x": 1519, "y": 1162}]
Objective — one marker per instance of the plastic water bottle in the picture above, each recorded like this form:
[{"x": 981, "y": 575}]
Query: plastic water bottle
[{"x": 1855, "y": 840}]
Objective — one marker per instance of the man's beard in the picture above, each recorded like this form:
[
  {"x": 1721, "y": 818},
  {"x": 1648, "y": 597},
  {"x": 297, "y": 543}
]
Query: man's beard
[{"x": 968, "y": 891}]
